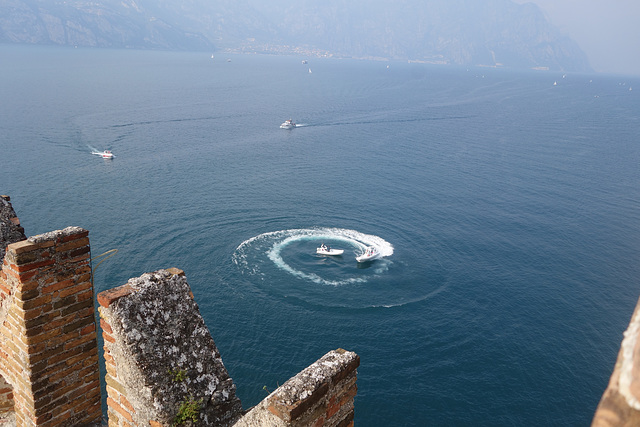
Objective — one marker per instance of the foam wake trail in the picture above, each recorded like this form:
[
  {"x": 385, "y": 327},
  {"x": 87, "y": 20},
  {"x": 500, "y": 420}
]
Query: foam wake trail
[{"x": 273, "y": 243}]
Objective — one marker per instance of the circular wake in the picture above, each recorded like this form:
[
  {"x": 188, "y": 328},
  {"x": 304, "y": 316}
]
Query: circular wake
[
  {"x": 293, "y": 251},
  {"x": 286, "y": 264}
]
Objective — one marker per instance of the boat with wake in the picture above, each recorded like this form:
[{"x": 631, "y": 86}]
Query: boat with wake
[
  {"x": 106, "y": 154},
  {"x": 369, "y": 255},
  {"x": 288, "y": 124},
  {"x": 327, "y": 250}
]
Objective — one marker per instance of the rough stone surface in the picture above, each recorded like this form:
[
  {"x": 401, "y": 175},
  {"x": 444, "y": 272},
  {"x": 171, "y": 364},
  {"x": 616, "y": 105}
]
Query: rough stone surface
[
  {"x": 321, "y": 395},
  {"x": 313, "y": 378},
  {"x": 10, "y": 229},
  {"x": 620, "y": 403},
  {"x": 160, "y": 337},
  {"x": 56, "y": 235}
]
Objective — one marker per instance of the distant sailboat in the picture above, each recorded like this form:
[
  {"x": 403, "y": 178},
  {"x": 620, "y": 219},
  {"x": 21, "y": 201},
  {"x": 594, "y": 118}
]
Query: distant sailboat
[
  {"x": 309, "y": 70},
  {"x": 555, "y": 83}
]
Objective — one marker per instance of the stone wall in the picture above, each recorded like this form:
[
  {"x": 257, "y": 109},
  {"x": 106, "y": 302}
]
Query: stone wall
[
  {"x": 320, "y": 395},
  {"x": 162, "y": 365},
  {"x": 10, "y": 229},
  {"x": 620, "y": 403},
  {"x": 48, "y": 347}
]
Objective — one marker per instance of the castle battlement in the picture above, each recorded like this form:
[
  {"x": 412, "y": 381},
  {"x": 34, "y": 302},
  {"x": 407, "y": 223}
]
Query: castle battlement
[{"x": 162, "y": 365}]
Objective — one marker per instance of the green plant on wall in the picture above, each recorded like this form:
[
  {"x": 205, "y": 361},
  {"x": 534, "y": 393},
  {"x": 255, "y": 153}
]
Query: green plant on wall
[
  {"x": 178, "y": 375},
  {"x": 188, "y": 411}
]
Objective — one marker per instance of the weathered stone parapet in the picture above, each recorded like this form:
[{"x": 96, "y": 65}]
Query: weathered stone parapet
[
  {"x": 320, "y": 395},
  {"x": 162, "y": 366},
  {"x": 10, "y": 229},
  {"x": 620, "y": 404},
  {"x": 48, "y": 346},
  {"x": 162, "y": 363}
]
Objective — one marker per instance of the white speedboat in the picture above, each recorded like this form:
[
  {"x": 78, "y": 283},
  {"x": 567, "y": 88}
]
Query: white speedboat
[
  {"x": 326, "y": 250},
  {"x": 288, "y": 124},
  {"x": 106, "y": 154},
  {"x": 369, "y": 255}
]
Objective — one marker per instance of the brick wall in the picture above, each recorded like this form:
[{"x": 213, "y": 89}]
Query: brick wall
[{"x": 48, "y": 347}]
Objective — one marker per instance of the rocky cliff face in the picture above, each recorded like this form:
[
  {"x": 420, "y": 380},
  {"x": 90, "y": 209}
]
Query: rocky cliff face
[{"x": 464, "y": 32}]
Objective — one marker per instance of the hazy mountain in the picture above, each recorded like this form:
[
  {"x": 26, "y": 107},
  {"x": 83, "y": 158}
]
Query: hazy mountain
[{"x": 465, "y": 32}]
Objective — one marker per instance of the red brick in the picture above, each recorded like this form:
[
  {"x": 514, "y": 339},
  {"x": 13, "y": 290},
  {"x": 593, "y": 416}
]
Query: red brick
[
  {"x": 72, "y": 244},
  {"x": 57, "y": 286},
  {"x": 5, "y": 290},
  {"x": 108, "y": 337},
  {"x": 70, "y": 237},
  {"x": 88, "y": 329},
  {"x": 126, "y": 404},
  {"x": 83, "y": 296},
  {"x": 74, "y": 343},
  {"x": 116, "y": 407},
  {"x": 27, "y": 276},
  {"x": 106, "y": 298},
  {"x": 22, "y": 246},
  {"x": 105, "y": 326},
  {"x": 35, "y": 265}
]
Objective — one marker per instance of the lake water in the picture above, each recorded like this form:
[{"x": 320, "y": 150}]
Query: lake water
[{"x": 507, "y": 209}]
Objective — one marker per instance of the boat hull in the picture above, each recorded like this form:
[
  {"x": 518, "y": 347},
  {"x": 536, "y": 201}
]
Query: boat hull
[
  {"x": 289, "y": 124},
  {"x": 330, "y": 252},
  {"x": 369, "y": 255},
  {"x": 104, "y": 154}
]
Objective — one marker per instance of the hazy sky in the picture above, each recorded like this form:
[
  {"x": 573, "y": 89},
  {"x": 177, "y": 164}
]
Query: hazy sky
[{"x": 607, "y": 30}]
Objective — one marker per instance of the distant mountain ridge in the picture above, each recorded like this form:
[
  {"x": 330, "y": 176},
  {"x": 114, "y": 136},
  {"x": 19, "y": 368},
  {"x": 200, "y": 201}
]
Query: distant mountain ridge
[{"x": 463, "y": 32}]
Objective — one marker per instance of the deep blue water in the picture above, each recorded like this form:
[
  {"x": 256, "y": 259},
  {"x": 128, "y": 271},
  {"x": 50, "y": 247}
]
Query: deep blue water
[{"x": 508, "y": 208}]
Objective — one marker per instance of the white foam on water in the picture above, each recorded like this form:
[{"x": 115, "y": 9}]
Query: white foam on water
[{"x": 274, "y": 242}]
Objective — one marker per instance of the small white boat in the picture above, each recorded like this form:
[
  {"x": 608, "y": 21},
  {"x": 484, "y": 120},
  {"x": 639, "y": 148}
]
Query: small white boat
[
  {"x": 288, "y": 124},
  {"x": 326, "y": 250},
  {"x": 369, "y": 255},
  {"x": 106, "y": 154}
]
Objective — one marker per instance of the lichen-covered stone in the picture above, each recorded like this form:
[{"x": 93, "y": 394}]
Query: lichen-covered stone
[
  {"x": 10, "y": 229},
  {"x": 57, "y": 234},
  {"x": 321, "y": 395},
  {"x": 329, "y": 369},
  {"x": 165, "y": 355}
]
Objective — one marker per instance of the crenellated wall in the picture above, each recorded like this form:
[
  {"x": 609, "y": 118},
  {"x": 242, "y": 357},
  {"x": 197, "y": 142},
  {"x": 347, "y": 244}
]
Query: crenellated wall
[{"x": 162, "y": 365}]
